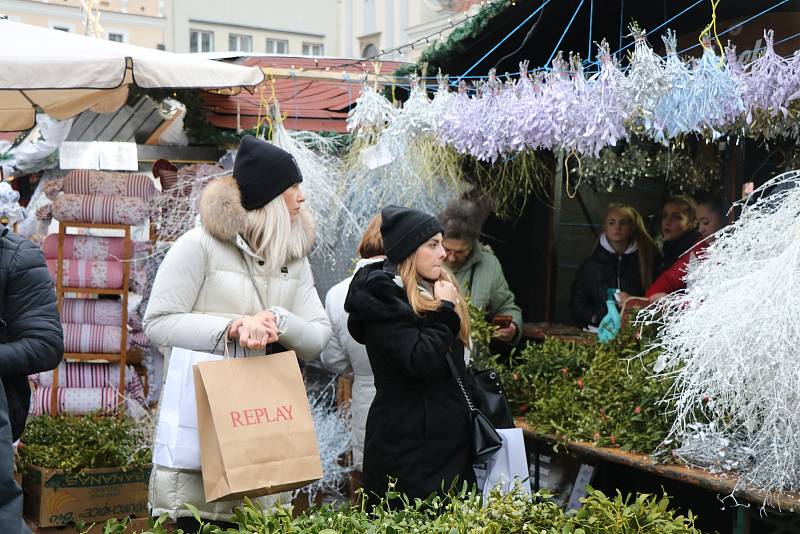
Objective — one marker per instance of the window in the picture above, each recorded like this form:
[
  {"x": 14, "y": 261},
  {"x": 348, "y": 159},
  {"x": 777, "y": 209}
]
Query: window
[
  {"x": 117, "y": 37},
  {"x": 201, "y": 41},
  {"x": 240, "y": 43},
  {"x": 369, "y": 51},
  {"x": 276, "y": 46},
  {"x": 312, "y": 49}
]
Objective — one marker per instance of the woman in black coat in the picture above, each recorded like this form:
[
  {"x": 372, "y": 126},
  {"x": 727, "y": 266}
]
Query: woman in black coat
[
  {"x": 623, "y": 259},
  {"x": 409, "y": 314}
]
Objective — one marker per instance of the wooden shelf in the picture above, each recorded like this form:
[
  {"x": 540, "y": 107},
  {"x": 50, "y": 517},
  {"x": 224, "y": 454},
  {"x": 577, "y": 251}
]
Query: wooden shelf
[
  {"x": 93, "y": 290},
  {"x": 121, "y": 356},
  {"x": 98, "y": 226},
  {"x": 722, "y": 484},
  {"x": 84, "y": 356}
]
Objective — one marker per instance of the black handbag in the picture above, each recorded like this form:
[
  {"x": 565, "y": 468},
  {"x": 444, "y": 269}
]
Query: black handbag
[
  {"x": 490, "y": 398},
  {"x": 484, "y": 441}
]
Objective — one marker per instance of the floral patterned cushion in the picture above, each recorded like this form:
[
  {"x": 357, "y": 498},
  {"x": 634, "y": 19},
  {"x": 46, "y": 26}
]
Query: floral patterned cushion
[
  {"x": 92, "y": 311},
  {"x": 89, "y": 273},
  {"x": 100, "y": 209}
]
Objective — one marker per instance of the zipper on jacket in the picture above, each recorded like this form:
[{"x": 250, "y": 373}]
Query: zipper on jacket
[{"x": 619, "y": 269}]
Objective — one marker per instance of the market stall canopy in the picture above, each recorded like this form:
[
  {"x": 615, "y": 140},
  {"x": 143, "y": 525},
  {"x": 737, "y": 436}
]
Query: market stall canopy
[
  {"x": 317, "y": 105},
  {"x": 65, "y": 74}
]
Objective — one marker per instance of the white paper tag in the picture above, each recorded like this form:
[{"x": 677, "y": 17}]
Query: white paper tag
[
  {"x": 118, "y": 156},
  {"x": 79, "y": 155}
]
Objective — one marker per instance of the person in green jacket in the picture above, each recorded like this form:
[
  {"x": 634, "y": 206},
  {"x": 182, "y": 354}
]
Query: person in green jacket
[{"x": 477, "y": 268}]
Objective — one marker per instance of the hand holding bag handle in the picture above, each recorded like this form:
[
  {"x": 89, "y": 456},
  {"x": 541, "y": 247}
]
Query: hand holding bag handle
[{"x": 484, "y": 439}]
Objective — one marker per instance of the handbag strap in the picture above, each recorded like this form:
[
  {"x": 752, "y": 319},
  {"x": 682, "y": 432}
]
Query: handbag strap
[{"x": 459, "y": 381}]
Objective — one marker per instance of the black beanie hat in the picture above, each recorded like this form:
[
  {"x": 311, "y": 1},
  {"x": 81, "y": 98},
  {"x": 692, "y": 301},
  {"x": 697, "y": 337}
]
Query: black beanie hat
[
  {"x": 263, "y": 171},
  {"x": 404, "y": 229}
]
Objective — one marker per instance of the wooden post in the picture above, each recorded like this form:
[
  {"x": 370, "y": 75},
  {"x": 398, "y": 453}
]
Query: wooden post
[
  {"x": 551, "y": 288},
  {"x": 62, "y": 233},
  {"x": 123, "y": 357}
]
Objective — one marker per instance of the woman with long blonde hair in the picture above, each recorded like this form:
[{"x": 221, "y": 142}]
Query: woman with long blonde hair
[
  {"x": 239, "y": 279},
  {"x": 410, "y": 315},
  {"x": 624, "y": 259}
]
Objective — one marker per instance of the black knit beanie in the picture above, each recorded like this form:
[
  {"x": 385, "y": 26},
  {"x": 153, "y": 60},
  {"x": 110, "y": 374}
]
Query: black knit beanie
[
  {"x": 404, "y": 229},
  {"x": 263, "y": 171}
]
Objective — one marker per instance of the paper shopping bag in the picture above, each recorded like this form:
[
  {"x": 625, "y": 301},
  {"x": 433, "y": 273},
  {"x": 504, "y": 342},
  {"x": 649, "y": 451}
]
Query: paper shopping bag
[
  {"x": 177, "y": 444},
  {"x": 256, "y": 432},
  {"x": 508, "y": 467}
]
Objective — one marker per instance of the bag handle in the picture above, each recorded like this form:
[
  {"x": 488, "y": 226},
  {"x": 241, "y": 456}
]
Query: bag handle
[{"x": 460, "y": 382}]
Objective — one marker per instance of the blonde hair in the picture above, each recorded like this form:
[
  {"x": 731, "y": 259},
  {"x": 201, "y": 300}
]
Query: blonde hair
[
  {"x": 371, "y": 244},
  {"x": 420, "y": 303},
  {"x": 273, "y": 235},
  {"x": 644, "y": 242}
]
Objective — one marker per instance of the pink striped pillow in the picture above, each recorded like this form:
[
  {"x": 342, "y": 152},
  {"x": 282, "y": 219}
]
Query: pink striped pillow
[
  {"x": 89, "y": 273},
  {"x": 100, "y": 209},
  {"x": 86, "y": 182},
  {"x": 91, "y": 338},
  {"x": 92, "y": 311},
  {"x": 85, "y": 247}
]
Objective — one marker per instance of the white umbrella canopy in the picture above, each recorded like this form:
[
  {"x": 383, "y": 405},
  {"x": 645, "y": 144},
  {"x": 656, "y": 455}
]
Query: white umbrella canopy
[{"x": 65, "y": 74}]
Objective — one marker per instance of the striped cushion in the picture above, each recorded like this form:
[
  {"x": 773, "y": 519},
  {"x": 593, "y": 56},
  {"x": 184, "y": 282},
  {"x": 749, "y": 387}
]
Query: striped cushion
[
  {"x": 92, "y": 311},
  {"x": 138, "y": 339},
  {"x": 100, "y": 209},
  {"x": 85, "y": 247},
  {"x": 86, "y": 182},
  {"x": 88, "y": 375},
  {"x": 169, "y": 179},
  {"x": 91, "y": 338},
  {"x": 74, "y": 401},
  {"x": 89, "y": 273}
]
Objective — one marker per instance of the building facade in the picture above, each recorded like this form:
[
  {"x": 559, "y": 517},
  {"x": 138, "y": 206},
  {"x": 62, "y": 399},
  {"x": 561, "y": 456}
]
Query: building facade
[
  {"x": 138, "y": 22},
  {"x": 301, "y": 27},
  {"x": 333, "y": 28},
  {"x": 368, "y": 26}
]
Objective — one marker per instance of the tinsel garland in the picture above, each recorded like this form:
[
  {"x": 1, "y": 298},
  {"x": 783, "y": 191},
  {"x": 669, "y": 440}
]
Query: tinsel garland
[
  {"x": 667, "y": 123},
  {"x": 772, "y": 82},
  {"x": 403, "y": 163},
  {"x": 605, "y": 108},
  {"x": 639, "y": 160},
  {"x": 730, "y": 341},
  {"x": 646, "y": 81},
  {"x": 665, "y": 100}
]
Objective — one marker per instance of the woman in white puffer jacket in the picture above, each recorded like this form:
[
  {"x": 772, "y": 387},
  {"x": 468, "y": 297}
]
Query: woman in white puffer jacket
[
  {"x": 346, "y": 355},
  {"x": 241, "y": 277}
]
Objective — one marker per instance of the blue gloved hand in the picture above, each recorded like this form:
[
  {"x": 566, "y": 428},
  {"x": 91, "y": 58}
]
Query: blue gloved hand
[{"x": 612, "y": 322}]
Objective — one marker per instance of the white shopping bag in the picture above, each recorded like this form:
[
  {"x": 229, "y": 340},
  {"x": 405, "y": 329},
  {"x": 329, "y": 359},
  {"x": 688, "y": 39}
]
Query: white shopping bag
[
  {"x": 508, "y": 467},
  {"x": 177, "y": 443}
]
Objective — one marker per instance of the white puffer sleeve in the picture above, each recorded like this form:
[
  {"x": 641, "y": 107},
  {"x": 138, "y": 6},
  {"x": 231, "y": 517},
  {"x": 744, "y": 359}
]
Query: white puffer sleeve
[
  {"x": 169, "y": 320},
  {"x": 307, "y": 328},
  {"x": 334, "y": 357}
]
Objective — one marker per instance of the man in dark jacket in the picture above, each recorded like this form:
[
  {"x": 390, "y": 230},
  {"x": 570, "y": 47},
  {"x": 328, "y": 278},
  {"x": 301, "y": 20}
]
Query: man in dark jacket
[{"x": 31, "y": 341}]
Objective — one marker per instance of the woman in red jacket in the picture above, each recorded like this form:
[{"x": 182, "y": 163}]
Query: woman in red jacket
[{"x": 710, "y": 219}]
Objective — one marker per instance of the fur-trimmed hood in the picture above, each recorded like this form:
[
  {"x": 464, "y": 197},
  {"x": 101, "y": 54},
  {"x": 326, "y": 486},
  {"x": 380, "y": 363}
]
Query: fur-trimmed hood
[{"x": 222, "y": 214}]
